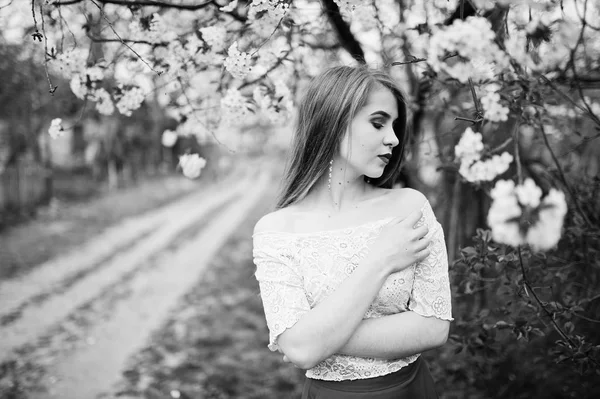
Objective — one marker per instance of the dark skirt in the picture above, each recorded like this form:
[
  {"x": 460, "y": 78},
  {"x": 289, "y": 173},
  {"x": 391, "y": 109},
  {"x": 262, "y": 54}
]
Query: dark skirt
[{"x": 413, "y": 381}]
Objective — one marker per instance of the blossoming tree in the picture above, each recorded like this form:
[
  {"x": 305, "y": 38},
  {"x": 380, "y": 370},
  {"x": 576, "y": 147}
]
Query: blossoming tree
[{"x": 485, "y": 79}]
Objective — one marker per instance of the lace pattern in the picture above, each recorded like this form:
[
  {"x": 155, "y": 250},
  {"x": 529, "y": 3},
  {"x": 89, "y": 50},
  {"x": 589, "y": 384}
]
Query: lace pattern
[{"x": 296, "y": 271}]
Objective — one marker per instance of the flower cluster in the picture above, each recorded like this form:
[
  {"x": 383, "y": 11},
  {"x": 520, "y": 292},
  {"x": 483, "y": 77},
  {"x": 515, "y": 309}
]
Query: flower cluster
[
  {"x": 130, "y": 99},
  {"x": 519, "y": 215},
  {"x": 151, "y": 29},
  {"x": 191, "y": 165},
  {"x": 104, "y": 103},
  {"x": 267, "y": 107},
  {"x": 237, "y": 62},
  {"x": 234, "y": 107},
  {"x": 474, "y": 54},
  {"x": 69, "y": 62},
  {"x": 169, "y": 138},
  {"x": 473, "y": 168},
  {"x": 56, "y": 129},
  {"x": 215, "y": 36},
  {"x": 494, "y": 111},
  {"x": 85, "y": 83},
  {"x": 229, "y": 7},
  {"x": 265, "y": 15},
  {"x": 486, "y": 170},
  {"x": 427, "y": 12}
]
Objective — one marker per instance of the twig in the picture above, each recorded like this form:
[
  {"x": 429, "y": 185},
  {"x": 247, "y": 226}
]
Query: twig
[
  {"x": 121, "y": 40},
  {"x": 189, "y": 101},
  {"x": 475, "y": 100},
  {"x": 585, "y": 317},
  {"x": 502, "y": 146},
  {"x": 550, "y": 315},
  {"x": 272, "y": 68},
  {"x": 413, "y": 61},
  {"x": 268, "y": 38},
  {"x": 473, "y": 121},
  {"x": 190, "y": 7},
  {"x": 517, "y": 152},
  {"x": 51, "y": 86},
  {"x": 9, "y": 3},
  {"x": 569, "y": 99}
]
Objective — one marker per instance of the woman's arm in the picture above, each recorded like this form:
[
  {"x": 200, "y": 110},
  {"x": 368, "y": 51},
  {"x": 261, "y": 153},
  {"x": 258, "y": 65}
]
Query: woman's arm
[
  {"x": 323, "y": 330},
  {"x": 396, "y": 336},
  {"x": 425, "y": 326}
]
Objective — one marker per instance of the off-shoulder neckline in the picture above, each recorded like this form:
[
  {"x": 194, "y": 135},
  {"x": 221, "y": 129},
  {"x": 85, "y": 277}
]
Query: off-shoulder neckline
[{"x": 328, "y": 231}]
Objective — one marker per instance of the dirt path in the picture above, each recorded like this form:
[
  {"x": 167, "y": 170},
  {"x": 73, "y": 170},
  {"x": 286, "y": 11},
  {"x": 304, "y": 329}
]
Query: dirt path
[{"x": 83, "y": 315}]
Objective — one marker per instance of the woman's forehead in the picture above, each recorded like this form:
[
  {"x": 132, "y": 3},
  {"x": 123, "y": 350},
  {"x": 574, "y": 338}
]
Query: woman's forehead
[{"x": 381, "y": 99}]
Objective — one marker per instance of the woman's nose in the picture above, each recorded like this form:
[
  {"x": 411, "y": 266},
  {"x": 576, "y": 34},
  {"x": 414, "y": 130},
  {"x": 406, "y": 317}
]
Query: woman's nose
[{"x": 390, "y": 138}]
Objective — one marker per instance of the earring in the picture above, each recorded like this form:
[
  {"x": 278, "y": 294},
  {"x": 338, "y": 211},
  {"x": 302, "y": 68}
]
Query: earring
[{"x": 330, "y": 170}]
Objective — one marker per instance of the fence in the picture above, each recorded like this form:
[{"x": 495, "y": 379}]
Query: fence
[{"x": 22, "y": 186}]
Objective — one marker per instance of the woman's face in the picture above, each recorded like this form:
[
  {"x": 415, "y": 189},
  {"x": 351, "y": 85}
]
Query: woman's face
[{"x": 370, "y": 137}]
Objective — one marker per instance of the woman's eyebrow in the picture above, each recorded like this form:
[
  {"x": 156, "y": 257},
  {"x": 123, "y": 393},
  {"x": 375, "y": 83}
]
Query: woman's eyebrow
[{"x": 382, "y": 113}]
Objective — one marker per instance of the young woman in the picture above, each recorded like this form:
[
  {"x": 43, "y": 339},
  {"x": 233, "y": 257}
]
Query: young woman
[{"x": 353, "y": 274}]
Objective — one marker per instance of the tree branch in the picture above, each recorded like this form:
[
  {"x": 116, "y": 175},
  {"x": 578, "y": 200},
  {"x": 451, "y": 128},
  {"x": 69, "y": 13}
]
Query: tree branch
[
  {"x": 147, "y": 3},
  {"x": 345, "y": 35}
]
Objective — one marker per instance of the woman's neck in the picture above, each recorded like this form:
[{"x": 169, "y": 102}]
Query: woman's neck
[{"x": 338, "y": 194}]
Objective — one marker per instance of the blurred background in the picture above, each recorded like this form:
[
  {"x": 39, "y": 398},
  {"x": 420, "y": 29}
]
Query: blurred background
[{"x": 140, "y": 141}]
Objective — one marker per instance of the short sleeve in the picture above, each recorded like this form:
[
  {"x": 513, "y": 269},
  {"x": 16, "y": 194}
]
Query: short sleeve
[
  {"x": 281, "y": 287},
  {"x": 430, "y": 295}
]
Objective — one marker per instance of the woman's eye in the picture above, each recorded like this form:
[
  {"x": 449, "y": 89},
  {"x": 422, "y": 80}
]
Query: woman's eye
[{"x": 377, "y": 125}]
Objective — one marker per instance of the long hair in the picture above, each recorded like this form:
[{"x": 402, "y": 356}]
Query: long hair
[{"x": 327, "y": 108}]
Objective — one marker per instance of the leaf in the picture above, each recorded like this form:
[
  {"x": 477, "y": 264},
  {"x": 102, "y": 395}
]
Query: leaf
[
  {"x": 538, "y": 332},
  {"x": 469, "y": 251},
  {"x": 501, "y": 325}
]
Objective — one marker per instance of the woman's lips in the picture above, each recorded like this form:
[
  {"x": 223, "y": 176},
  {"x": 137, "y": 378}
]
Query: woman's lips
[{"x": 384, "y": 158}]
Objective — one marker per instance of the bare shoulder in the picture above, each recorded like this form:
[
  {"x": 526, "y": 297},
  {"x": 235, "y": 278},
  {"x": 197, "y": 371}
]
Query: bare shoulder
[
  {"x": 274, "y": 221},
  {"x": 408, "y": 199}
]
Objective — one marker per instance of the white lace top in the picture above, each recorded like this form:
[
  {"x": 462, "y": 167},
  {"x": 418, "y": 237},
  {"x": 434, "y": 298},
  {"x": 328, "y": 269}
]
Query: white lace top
[{"x": 296, "y": 271}]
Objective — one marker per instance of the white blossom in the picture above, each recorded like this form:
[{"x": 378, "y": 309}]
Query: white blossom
[
  {"x": 191, "y": 165},
  {"x": 230, "y": 7},
  {"x": 469, "y": 147},
  {"x": 130, "y": 100},
  {"x": 546, "y": 232},
  {"x": 503, "y": 216},
  {"x": 266, "y": 106},
  {"x": 56, "y": 129},
  {"x": 528, "y": 193},
  {"x": 69, "y": 62},
  {"x": 458, "y": 38},
  {"x": 506, "y": 215},
  {"x": 237, "y": 62},
  {"x": 104, "y": 103},
  {"x": 493, "y": 109},
  {"x": 78, "y": 87},
  {"x": 234, "y": 108},
  {"x": 215, "y": 37},
  {"x": 94, "y": 74},
  {"x": 485, "y": 170},
  {"x": 271, "y": 13},
  {"x": 169, "y": 138}
]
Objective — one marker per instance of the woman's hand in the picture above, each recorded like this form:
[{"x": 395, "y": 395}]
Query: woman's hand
[{"x": 400, "y": 244}]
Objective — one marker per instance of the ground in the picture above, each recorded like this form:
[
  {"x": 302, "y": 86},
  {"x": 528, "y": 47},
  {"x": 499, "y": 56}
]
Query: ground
[{"x": 161, "y": 303}]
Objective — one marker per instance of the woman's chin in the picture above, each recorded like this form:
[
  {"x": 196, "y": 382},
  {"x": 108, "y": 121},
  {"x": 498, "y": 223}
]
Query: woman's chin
[{"x": 375, "y": 174}]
